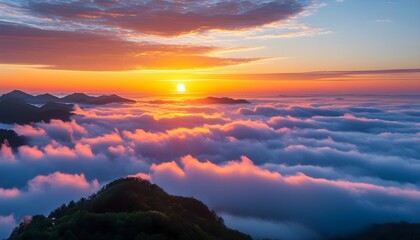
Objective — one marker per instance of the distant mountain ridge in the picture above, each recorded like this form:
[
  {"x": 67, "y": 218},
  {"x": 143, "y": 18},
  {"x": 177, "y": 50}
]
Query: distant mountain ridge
[
  {"x": 78, "y": 98},
  {"x": 129, "y": 208},
  {"x": 216, "y": 100},
  {"x": 203, "y": 101},
  {"x": 18, "y": 107}
]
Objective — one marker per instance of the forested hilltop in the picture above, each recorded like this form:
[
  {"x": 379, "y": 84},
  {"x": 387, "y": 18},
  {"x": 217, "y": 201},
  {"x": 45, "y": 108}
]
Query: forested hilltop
[{"x": 128, "y": 208}]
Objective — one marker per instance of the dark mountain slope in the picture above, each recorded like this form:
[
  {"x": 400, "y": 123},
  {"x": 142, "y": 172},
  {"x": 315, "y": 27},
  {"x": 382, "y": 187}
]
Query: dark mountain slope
[
  {"x": 12, "y": 138},
  {"x": 129, "y": 208},
  {"x": 16, "y": 111},
  {"x": 53, "y": 106}
]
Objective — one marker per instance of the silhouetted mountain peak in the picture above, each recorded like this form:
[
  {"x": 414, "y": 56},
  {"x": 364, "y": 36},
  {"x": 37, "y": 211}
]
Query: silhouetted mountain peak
[
  {"x": 105, "y": 99},
  {"x": 76, "y": 97},
  {"x": 17, "y": 94},
  {"x": 45, "y": 98}
]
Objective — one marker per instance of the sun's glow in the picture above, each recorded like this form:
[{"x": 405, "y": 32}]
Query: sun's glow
[{"x": 180, "y": 87}]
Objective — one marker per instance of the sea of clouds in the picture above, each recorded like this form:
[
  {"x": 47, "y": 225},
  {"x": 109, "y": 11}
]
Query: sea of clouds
[{"x": 300, "y": 167}]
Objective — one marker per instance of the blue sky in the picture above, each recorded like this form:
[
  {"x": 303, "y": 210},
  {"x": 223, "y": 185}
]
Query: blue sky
[{"x": 354, "y": 35}]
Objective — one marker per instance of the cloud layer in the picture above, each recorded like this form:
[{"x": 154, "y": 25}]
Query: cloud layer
[
  {"x": 290, "y": 167},
  {"x": 88, "y": 51},
  {"x": 330, "y": 206},
  {"x": 167, "y": 18},
  {"x": 118, "y": 35}
]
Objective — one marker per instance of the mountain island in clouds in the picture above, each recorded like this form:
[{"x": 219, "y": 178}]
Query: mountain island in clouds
[
  {"x": 222, "y": 119},
  {"x": 129, "y": 208}
]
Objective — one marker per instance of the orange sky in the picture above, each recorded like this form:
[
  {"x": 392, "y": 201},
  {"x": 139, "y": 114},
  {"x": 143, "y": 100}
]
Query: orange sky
[{"x": 199, "y": 83}]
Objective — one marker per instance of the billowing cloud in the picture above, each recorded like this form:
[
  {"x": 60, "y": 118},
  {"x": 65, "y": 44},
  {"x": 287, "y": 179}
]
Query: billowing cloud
[
  {"x": 6, "y": 153},
  {"x": 28, "y": 152},
  {"x": 319, "y": 205},
  {"x": 7, "y": 224},
  {"x": 9, "y": 193},
  {"x": 292, "y": 157},
  {"x": 59, "y": 180},
  {"x": 40, "y": 195},
  {"x": 261, "y": 228}
]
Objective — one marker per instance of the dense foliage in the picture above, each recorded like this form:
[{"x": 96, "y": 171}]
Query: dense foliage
[{"x": 128, "y": 208}]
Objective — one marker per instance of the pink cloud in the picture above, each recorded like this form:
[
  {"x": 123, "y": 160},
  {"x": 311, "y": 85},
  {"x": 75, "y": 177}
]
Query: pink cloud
[
  {"x": 9, "y": 193},
  {"x": 56, "y": 150},
  {"x": 58, "y": 126},
  {"x": 169, "y": 168},
  {"x": 59, "y": 151},
  {"x": 61, "y": 180},
  {"x": 251, "y": 191},
  {"x": 111, "y": 138},
  {"x": 140, "y": 175},
  {"x": 83, "y": 150},
  {"x": 118, "y": 150},
  {"x": 6, "y": 152},
  {"x": 29, "y": 131},
  {"x": 7, "y": 223},
  {"x": 7, "y": 219},
  {"x": 178, "y": 133},
  {"x": 97, "y": 114},
  {"x": 248, "y": 130},
  {"x": 28, "y": 152},
  {"x": 242, "y": 168}
]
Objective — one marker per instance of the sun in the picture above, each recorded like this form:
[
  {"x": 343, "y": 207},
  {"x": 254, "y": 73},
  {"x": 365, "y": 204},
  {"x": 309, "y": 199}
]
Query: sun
[{"x": 180, "y": 87}]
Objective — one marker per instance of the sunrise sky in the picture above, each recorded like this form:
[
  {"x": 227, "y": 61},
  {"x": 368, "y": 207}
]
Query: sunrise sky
[
  {"x": 213, "y": 47},
  {"x": 291, "y": 119}
]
